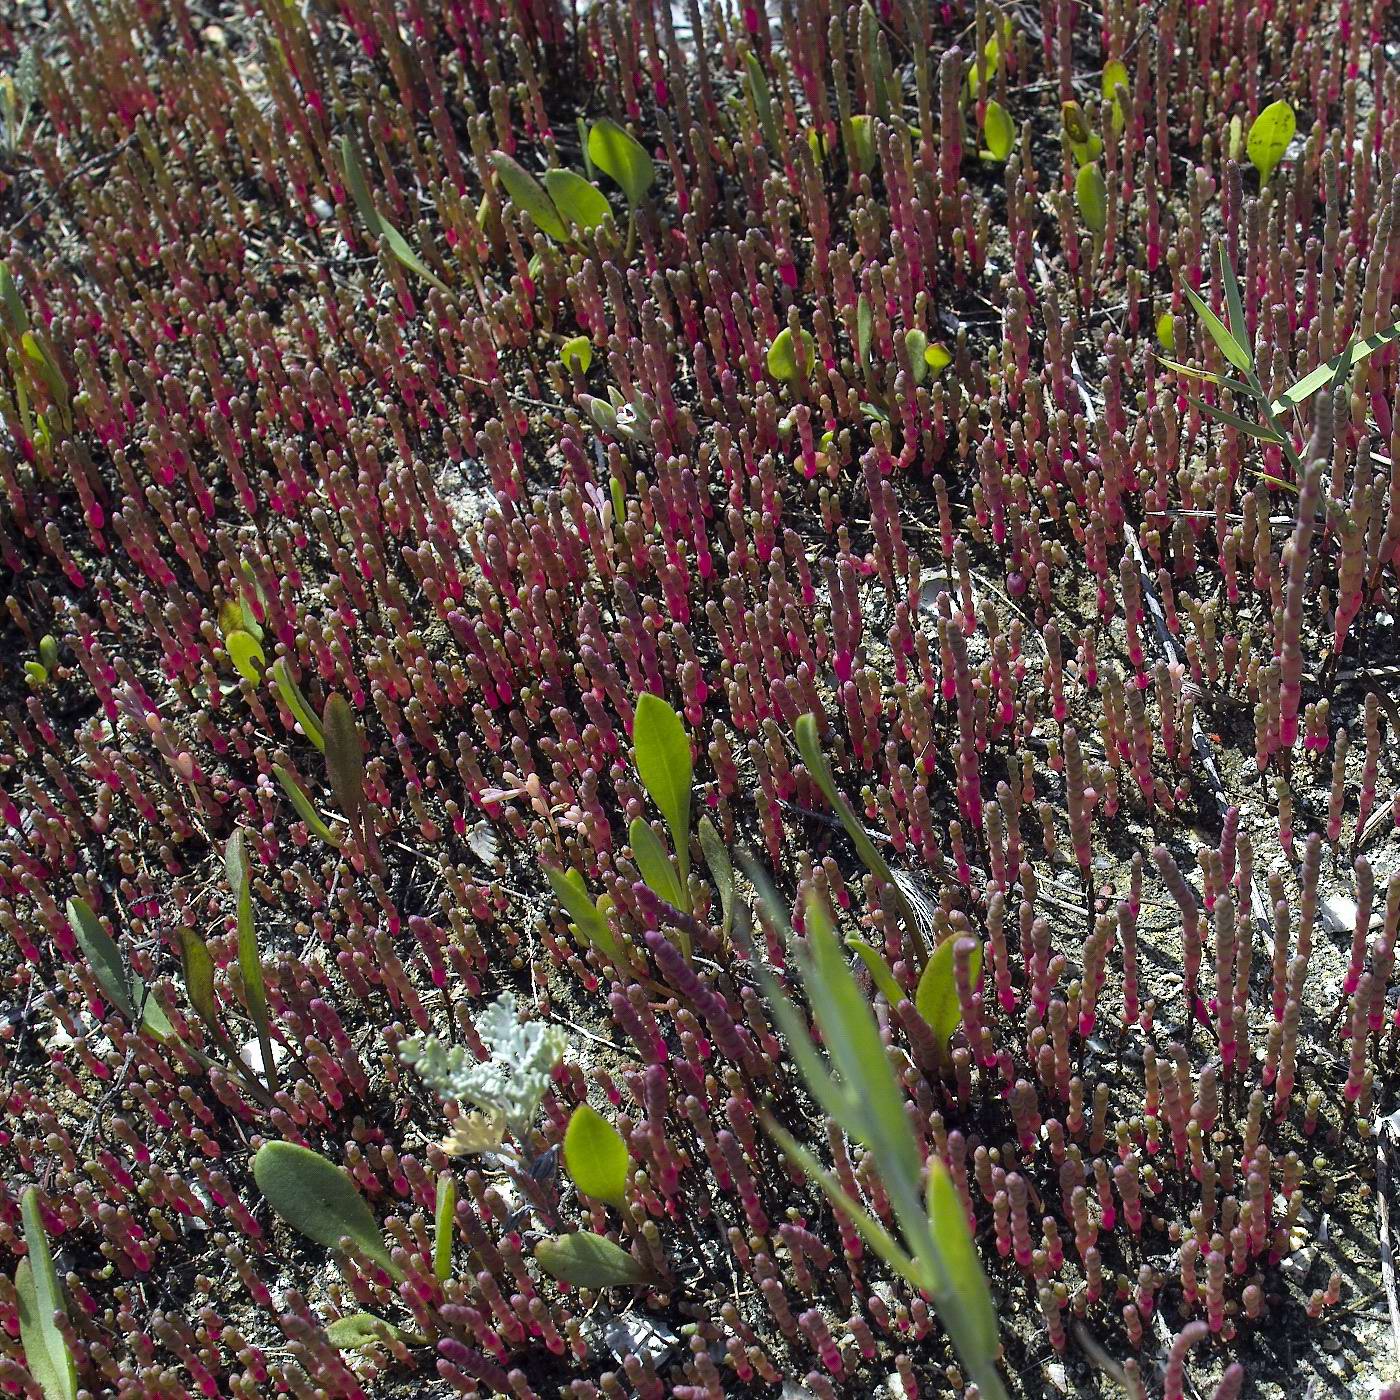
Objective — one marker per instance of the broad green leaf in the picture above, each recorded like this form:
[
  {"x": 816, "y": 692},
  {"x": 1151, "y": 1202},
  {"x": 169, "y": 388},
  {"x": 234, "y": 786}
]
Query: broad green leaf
[
  {"x": 982, "y": 70},
  {"x": 860, "y": 143},
  {"x": 1091, "y": 195},
  {"x": 1115, "y": 76},
  {"x": 295, "y": 701},
  {"x": 805, "y": 731},
  {"x": 153, "y": 1017},
  {"x": 1261, "y": 431},
  {"x": 1237, "y": 353},
  {"x": 1269, "y": 137},
  {"x": 965, "y": 1306},
  {"x": 198, "y": 969},
  {"x": 1237, "y": 386},
  {"x": 249, "y": 958},
  {"x": 578, "y": 201},
  {"x": 318, "y": 1199},
  {"x": 1084, "y": 144},
  {"x": 762, "y": 102},
  {"x": 245, "y": 653},
  {"x": 103, "y": 955},
  {"x": 589, "y": 1261},
  {"x": 654, "y": 862},
  {"x": 376, "y": 223},
  {"x": 589, "y": 919},
  {"x": 782, "y": 355},
  {"x": 865, "y": 328},
  {"x": 596, "y": 1157},
  {"x": 444, "y": 1217},
  {"x": 721, "y": 869},
  {"x": 622, "y": 158},
  {"x": 916, "y": 343},
  {"x": 874, "y": 1234},
  {"x": 1315, "y": 379},
  {"x": 878, "y": 968},
  {"x": 303, "y": 806},
  {"x": 528, "y": 195},
  {"x": 999, "y": 131},
  {"x": 345, "y": 755},
  {"x": 938, "y": 357},
  {"x": 577, "y": 354},
  {"x": 661, "y": 751},
  {"x": 936, "y": 999},
  {"x": 1166, "y": 332},
  {"x": 46, "y": 1354},
  {"x": 360, "y": 1330}
]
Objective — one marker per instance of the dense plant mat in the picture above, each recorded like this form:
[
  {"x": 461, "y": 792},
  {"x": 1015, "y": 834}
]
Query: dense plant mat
[{"x": 698, "y": 700}]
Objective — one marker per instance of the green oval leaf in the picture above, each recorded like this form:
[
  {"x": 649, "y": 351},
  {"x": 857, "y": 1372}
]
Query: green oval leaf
[
  {"x": 654, "y": 862},
  {"x": 861, "y": 143},
  {"x": 345, "y": 755},
  {"x": 1166, "y": 331},
  {"x": 46, "y": 1353},
  {"x": 936, "y": 999},
  {"x": 444, "y": 1216},
  {"x": 999, "y": 131},
  {"x": 589, "y": 1261},
  {"x": 596, "y": 1157},
  {"x": 1115, "y": 76},
  {"x": 782, "y": 355},
  {"x": 103, "y": 955},
  {"x": 527, "y": 194},
  {"x": 590, "y": 921},
  {"x": 916, "y": 342},
  {"x": 577, "y": 354},
  {"x": 721, "y": 868},
  {"x": 245, "y": 653},
  {"x": 661, "y": 751},
  {"x": 318, "y": 1199},
  {"x": 622, "y": 158},
  {"x": 361, "y": 1330},
  {"x": 938, "y": 356},
  {"x": 1091, "y": 195},
  {"x": 1269, "y": 137},
  {"x": 578, "y": 201}
]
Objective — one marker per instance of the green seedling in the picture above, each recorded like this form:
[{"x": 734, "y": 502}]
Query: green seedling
[
  {"x": 379, "y": 228},
  {"x": 589, "y": 1261},
  {"x": 624, "y": 161},
  {"x": 40, "y": 1299}
]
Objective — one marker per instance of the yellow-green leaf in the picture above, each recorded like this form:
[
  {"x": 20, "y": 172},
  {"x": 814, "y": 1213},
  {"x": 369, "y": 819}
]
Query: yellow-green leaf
[
  {"x": 577, "y": 354},
  {"x": 782, "y": 355},
  {"x": 46, "y": 1354},
  {"x": 1091, "y": 195},
  {"x": 999, "y": 131},
  {"x": 528, "y": 195},
  {"x": 588, "y": 1261},
  {"x": 1269, "y": 137},
  {"x": 653, "y": 860},
  {"x": 578, "y": 201},
  {"x": 622, "y": 158},
  {"x": 596, "y": 1157},
  {"x": 936, "y": 999},
  {"x": 245, "y": 653},
  {"x": 661, "y": 751}
]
